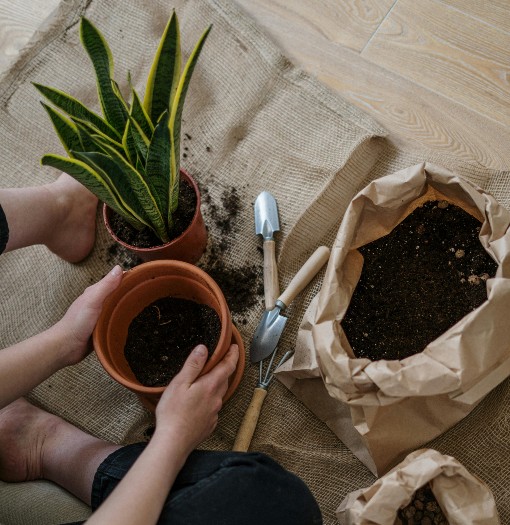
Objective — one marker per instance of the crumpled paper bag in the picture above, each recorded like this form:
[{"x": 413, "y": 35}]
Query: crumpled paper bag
[
  {"x": 463, "y": 498},
  {"x": 384, "y": 409}
]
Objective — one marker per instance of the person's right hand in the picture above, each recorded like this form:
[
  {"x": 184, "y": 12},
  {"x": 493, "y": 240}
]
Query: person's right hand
[{"x": 188, "y": 409}]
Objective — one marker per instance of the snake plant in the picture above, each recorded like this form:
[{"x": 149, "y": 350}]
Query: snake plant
[{"x": 129, "y": 157}]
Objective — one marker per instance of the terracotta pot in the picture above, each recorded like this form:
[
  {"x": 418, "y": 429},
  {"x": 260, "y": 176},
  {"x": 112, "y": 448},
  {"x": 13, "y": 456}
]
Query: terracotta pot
[
  {"x": 140, "y": 287},
  {"x": 188, "y": 247}
]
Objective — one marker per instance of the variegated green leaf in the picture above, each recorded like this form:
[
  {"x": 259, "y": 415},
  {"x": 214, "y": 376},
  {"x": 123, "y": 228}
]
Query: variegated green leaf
[
  {"x": 93, "y": 131},
  {"x": 128, "y": 144},
  {"x": 176, "y": 116},
  {"x": 140, "y": 115},
  {"x": 140, "y": 139},
  {"x": 111, "y": 171},
  {"x": 92, "y": 180},
  {"x": 157, "y": 167},
  {"x": 100, "y": 55},
  {"x": 140, "y": 168},
  {"x": 87, "y": 142},
  {"x": 74, "y": 108},
  {"x": 143, "y": 191},
  {"x": 165, "y": 71},
  {"x": 65, "y": 128}
]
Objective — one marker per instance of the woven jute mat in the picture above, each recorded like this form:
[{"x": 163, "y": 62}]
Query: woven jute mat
[{"x": 252, "y": 121}]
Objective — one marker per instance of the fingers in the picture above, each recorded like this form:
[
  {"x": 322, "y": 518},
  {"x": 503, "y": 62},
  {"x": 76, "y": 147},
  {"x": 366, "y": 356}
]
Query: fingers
[
  {"x": 194, "y": 365},
  {"x": 226, "y": 367},
  {"x": 98, "y": 292}
]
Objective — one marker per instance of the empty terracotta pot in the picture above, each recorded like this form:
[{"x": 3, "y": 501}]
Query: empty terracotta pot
[
  {"x": 140, "y": 287},
  {"x": 188, "y": 247}
]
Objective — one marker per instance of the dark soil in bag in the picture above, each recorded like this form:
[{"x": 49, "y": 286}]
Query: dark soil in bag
[{"x": 417, "y": 281}]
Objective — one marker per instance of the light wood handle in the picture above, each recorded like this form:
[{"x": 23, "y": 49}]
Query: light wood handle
[
  {"x": 271, "y": 286},
  {"x": 307, "y": 272},
  {"x": 250, "y": 419}
]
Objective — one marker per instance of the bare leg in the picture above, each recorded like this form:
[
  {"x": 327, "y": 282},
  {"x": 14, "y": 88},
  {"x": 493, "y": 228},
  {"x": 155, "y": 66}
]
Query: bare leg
[
  {"x": 35, "y": 444},
  {"x": 61, "y": 215}
]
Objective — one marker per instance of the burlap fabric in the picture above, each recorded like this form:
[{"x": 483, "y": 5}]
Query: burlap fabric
[{"x": 254, "y": 121}]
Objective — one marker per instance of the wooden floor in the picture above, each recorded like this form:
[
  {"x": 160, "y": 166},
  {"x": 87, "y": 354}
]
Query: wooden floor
[{"x": 433, "y": 72}]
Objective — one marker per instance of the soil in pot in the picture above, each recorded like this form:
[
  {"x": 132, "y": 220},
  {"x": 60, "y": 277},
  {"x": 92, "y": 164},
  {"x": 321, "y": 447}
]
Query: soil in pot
[
  {"x": 146, "y": 238},
  {"x": 162, "y": 335},
  {"x": 423, "y": 509},
  {"x": 417, "y": 282}
]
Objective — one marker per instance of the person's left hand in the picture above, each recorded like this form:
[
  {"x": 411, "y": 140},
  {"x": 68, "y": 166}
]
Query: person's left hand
[{"x": 76, "y": 327}]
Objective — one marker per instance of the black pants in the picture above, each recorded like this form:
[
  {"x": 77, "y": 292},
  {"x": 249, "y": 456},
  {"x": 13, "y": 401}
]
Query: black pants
[
  {"x": 4, "y": 230},
  {"x": 221, "y": 488}
]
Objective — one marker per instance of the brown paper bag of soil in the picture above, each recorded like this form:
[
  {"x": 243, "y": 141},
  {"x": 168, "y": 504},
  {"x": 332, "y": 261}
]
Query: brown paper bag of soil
[
  {"x": 384, "y": 409},
  {"x": 463, "y": 498}
]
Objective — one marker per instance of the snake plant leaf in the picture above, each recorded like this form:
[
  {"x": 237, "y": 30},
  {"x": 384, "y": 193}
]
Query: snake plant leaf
[
  {"x": 143, "y": 191},
  {"x": 140, "y": 168},
  {"x": 74, "y": 108},
  {"x": 165, "y": 71},
  {"x": 66, "y": 129},
  {"x": 96, "y": 132},
  {"x": 157, "y": 168},
  {"x": 128, "y": 144},
  {"x": 92, "y": 180},
  {"x": 110, "y": 170},
  {"x": 87, "y": 142},
  {"x": 140, "y": 140},
  {"x": 176, "y": 116},
  {"x": 118, "y": 94},
  {"x": 140, "y": 115},
  {"x": 100, "y": 55}
]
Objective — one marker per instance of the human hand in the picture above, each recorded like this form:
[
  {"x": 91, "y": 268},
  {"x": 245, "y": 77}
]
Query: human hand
[
  {"x": 75, "y": 328},
  {"x": 188, "y": 409}
]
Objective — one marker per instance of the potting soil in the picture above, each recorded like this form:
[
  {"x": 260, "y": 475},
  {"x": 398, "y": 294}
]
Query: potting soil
[
  {"x": 423, "y": 509},
  {"x": 162, "y": 336},
  {"x": 417, "y": 282}
]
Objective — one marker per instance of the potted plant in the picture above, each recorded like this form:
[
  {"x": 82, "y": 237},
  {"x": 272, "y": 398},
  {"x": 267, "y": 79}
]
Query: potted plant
[
  {"x": 140, "y": 290},
  {"x": 130, "y": 156}
]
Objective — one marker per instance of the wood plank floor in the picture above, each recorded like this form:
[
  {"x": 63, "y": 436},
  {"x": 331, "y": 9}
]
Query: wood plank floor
[{"x": 433, "y": 72}]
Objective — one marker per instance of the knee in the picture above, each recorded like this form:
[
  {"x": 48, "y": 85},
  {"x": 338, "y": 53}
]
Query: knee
[{"x": 278, "y": 495}]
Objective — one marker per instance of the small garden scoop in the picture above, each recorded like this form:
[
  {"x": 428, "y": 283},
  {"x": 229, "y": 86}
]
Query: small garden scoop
[
  {"x": 266, "y": 224},
  {"x": 271, "y": 326}
]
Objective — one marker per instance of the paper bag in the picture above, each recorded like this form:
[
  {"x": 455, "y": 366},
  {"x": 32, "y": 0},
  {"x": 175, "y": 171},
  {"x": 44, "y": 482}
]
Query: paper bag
[
  {"x": 384, "y": 409},
  {"x": 463, "y": 498}
]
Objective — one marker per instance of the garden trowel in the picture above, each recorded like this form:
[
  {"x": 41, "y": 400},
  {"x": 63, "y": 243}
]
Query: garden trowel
[
  {"x": 271, "y": 326},
  {"x": 266, "y": 224}
]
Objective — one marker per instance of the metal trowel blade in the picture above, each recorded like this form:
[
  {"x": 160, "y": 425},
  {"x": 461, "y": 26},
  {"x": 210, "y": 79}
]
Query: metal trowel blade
[
  {"x": 266, "y": 215},
  {"x": 267, "y": 334}
]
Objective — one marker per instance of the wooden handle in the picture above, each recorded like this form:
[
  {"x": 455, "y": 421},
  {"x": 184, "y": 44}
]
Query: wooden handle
[
  {"x": 271, "y": 286},
  {"x": 307, "y": 272},
  {"x": 249, "y": 423}
]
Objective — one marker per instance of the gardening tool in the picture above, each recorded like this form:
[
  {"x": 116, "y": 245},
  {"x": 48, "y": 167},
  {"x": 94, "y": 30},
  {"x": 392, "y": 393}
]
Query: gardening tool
[
  {"x": 271, "y": 326},
  {"x": 251, "y": 417},
  {"x": 266, "y": 224}
]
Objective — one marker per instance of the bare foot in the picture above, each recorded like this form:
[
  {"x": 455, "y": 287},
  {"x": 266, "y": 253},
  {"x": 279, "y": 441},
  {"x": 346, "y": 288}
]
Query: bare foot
[
  {"x": 35, "y": 444},
  {"x": 76, "y": 233},
  {"x": 24, "y": 432}
]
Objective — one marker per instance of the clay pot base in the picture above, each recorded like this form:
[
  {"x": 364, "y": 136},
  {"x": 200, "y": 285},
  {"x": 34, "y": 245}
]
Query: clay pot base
[{"x": 150, "y": 402}]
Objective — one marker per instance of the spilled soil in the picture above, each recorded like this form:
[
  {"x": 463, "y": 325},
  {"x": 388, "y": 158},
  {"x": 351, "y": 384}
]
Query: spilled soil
[
  {"x": 417, "y": 281},
  {"x": 241, "y": 284}
]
